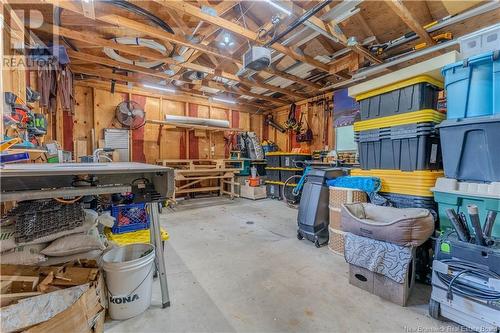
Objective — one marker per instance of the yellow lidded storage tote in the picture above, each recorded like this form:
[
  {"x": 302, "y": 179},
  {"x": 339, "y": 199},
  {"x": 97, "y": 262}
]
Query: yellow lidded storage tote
[{"x": 416, "y": 183}]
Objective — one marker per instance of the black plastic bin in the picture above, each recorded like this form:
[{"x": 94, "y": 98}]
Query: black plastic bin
[
  {"x": 404, "y": 147},
  {"x": 288, "y": 160},
  {"x": 273, "y": 190},
  {"x": 273, "y": 174},
  {"x": 414, "y": 97},
  {"x": 273, "y": 159},
  {"x": 413, "y": 201},
  {"x": 287, "y": 173},
  {"x": 260, "y": 166},
  {"x": 471, "y": 148}
]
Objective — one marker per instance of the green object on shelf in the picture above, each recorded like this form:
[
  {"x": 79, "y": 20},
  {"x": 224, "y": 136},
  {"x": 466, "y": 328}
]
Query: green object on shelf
[
  {"x": 460, "y": 201},
  {"x": 53, "y": 159}
]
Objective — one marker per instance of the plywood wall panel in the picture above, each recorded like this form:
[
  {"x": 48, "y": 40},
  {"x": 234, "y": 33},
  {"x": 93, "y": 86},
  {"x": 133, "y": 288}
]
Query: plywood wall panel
[
  {"x": 151, "y": 146},
  {"x": 83, "y": 119},
  {"x": 173, "y": 141},
  {"x": 104, "y": 110}
]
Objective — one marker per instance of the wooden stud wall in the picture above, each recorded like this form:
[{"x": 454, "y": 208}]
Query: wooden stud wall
[{"x": 95, "y": 108}]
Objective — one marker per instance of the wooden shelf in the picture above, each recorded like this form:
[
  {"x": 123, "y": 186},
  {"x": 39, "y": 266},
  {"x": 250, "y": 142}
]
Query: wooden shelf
[{"x": 193, "y": 127}]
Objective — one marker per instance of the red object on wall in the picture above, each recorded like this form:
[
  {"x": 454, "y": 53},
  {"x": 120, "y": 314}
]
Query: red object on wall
[
  {"x": 67, "y": 131},
  {"x": 194, "y": 150},
  {"x": 138, "y": 134}
]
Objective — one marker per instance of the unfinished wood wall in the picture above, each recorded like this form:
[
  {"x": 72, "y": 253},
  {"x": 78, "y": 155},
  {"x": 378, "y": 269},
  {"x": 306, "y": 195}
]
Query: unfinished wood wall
[
  {"x": 95, "y": 109},
  {"x": 317, "y": 120}
]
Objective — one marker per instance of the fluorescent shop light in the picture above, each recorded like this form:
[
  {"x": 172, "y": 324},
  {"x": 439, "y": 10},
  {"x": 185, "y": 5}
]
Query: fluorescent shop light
[{"x": 166, "y": 89}]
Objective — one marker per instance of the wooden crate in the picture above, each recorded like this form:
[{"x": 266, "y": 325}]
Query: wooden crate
[
  {"x": 253, "y": 192},
  {"x": 340, "y": 196},
  {"x": 336, "y": 241}
]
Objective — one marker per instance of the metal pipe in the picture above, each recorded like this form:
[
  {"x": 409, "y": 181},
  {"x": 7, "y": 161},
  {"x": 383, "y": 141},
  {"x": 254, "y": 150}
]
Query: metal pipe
[{"x": 299, "y": 21}]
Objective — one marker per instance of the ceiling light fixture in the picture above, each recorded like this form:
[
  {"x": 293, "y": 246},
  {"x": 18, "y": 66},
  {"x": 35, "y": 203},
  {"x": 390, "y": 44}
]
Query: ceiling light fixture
[
  {"x": 166, "y": 89},
  {"x": 223, "y": 100},
  {"x": 283, "y": 9},
  {"x": 226, "y": 41}
]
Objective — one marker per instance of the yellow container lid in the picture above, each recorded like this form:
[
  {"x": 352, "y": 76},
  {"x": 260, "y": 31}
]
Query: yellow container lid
[
  {"x": 271, "y": 182},
  {"x": 134, "y": 237},
  {"x": 399, "y": 85},
  {"x": 417, "y": 183},
  {"x": 421, "y": 116}
]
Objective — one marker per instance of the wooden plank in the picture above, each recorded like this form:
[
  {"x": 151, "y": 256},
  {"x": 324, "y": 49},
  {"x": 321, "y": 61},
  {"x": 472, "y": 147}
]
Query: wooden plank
[
  {"x": 189, "y": 9},
  {"x": 163, "y": 35},
  {"x": 400, "y": 9}
]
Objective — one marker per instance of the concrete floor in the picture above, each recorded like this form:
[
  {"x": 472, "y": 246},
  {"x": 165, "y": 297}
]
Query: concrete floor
[{"x": 239, "y": 267}]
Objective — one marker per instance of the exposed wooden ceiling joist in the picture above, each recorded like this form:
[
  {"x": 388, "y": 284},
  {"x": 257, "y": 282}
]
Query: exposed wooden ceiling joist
[
  {"x": 186, "y": 97},
  {"x": 400, "y": 9},
  {"x": 239, "y": 30},
  {"x": 94, "y": 39},
  {"x": 163, "y": 35},
  {"x": 140, "y": 81}
]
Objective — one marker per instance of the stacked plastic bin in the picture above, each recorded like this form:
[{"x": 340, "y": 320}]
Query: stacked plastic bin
[
  {"x": 470, "y": 138},
  {"x": 280, "y": 167},
  {"x": 398, "y": 140}
]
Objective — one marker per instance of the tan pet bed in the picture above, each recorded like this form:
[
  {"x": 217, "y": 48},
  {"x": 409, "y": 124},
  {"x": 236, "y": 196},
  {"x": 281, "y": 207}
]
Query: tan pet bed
[{"x": 402, "y": 226}]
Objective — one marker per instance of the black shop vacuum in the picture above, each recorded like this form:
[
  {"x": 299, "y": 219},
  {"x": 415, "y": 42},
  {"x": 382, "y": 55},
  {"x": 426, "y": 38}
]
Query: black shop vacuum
[{"x": 313, "y": 217}]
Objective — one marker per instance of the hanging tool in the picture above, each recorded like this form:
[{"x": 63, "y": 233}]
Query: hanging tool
[
  {"x": 408, "y": 37},
  {"x": 441, "y": 38},
  {"x": 476, "y": 224}
]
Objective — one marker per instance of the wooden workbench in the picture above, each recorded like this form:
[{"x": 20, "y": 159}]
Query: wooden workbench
[{"x": 191, "y": 175}]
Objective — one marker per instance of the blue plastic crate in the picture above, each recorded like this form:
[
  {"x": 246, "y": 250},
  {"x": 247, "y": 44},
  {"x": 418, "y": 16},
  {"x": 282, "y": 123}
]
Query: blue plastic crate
[
  {"x": 130, "y": 217},
  {"x": 473, "y": 86}
]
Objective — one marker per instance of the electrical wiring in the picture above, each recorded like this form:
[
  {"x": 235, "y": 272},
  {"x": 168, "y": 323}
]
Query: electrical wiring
[
  {"x": 459, "y": 285},
  {"x": 68, "y": 202}
]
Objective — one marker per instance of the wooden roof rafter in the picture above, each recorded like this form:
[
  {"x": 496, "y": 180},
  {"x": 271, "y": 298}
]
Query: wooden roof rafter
[{"x": 163, "y": 35}]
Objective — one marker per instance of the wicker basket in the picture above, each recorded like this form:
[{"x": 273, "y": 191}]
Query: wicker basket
[
  {"x": 340, "y": 196},
  {"x": 336, "y": 241},
  {"x": 335, "y": 218}
]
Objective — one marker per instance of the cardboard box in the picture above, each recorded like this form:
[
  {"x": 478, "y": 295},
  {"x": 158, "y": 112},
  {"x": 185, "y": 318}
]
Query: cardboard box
[
  {"x": 381, "y": 285},
  {"x": 253, "y": 192}
]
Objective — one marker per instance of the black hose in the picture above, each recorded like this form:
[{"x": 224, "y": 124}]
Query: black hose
[
  {"x": 124, "y": 5},
  {"x": 459, "y": 286},
  {"x": 299, "y": 21}
]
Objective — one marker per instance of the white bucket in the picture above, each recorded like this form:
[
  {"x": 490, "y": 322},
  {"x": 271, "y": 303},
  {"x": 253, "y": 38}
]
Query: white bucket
[{"x": 129, "y": 277}]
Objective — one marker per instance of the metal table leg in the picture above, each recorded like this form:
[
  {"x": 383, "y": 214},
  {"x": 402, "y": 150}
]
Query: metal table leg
[{"x": 159, "y": 258}]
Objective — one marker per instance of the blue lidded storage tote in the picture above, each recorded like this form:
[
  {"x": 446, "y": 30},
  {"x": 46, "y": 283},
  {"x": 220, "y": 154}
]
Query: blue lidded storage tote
[{"x": 473, "y": 86}]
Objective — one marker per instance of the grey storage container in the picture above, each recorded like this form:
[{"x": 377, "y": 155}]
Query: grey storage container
[
  {"x": 273, "y": 159},
  {"x": 273, "y": 174},
  {"x": 287, "y": 173},
  {"x": 471, "y": 148},
  {"x": 414, "y": 97},
  {"x": 273, "y": 190},
  {"x": 288, "y": 159},
  {"x": 404, "y": 147}
]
